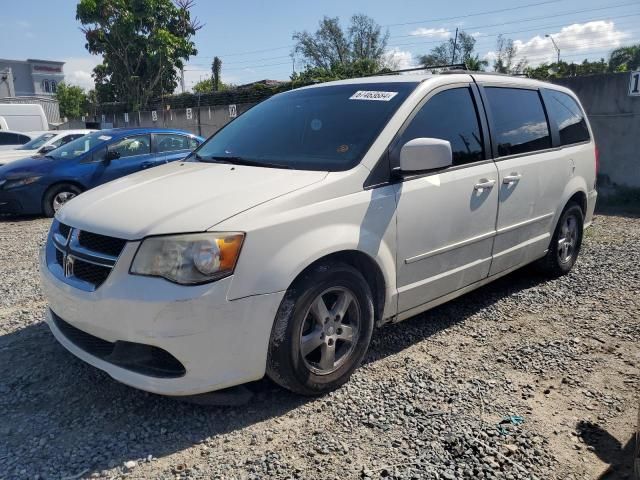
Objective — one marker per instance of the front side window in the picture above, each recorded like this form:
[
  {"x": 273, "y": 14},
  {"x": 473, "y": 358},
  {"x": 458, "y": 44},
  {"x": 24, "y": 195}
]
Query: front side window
[
  {"x": 327, "y": 128},
  {"x": 569, "y": 117},
  {"x": 37, "y": 142},
  {"x": 519, "y": 122},
  {"x": 174, "y": 142},
  {"x": 132, "y": 146},
  {"x": 449, "y": 115},
  {"x": 66, "y": 139}
]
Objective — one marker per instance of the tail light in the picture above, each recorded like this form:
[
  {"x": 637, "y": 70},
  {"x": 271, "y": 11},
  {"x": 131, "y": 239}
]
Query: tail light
[{"x": 597, "y": 161}]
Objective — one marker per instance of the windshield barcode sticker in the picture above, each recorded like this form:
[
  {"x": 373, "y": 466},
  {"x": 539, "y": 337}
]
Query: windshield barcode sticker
[{"x": 373, "y": 95}]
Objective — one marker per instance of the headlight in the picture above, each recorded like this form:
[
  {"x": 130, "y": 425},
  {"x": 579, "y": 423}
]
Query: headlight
[
  {"x": 189, "y": 259},
  {"x": 18, "y": 182}
]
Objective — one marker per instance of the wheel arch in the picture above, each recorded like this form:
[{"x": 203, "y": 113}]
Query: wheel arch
[{"x": 366, "y": 265}]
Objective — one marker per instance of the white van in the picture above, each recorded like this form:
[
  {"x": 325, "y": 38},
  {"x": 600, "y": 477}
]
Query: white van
[
  {"x": 313, "y": 217},
  {"x": 22, "y": 117}
]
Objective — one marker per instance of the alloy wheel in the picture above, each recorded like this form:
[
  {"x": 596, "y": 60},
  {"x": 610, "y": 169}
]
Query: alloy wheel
[
  {"x": 330, "y": 330},
  {"x": 568, "y": 239},
  {"x": 61, "y": 198}
]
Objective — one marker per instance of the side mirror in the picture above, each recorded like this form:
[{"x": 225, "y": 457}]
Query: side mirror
[
  {"x": 111, "y": 155},
  {"x": 423, "y": 154},
  {"x": 47, "y": 149}
]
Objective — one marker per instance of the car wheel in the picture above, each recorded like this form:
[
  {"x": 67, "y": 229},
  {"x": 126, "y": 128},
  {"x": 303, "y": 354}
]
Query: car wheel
[
  {"x": 322, "y": 330},
  {"x": 565, "y": 243},
  {"x": 57, "y": 196}
]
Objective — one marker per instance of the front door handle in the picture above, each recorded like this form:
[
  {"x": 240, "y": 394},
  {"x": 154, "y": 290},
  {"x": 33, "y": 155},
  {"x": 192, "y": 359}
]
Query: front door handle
[
  {"x": 509, "y": 179},
  {"x": 484, "y": 183}
]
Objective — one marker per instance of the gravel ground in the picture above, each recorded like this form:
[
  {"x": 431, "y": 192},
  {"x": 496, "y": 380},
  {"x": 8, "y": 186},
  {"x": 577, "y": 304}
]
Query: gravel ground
[{"x": 524, "y": 378}]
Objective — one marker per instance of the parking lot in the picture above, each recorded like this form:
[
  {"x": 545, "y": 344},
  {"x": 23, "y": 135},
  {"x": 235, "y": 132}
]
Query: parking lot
[{"x": 524, "y": 378}]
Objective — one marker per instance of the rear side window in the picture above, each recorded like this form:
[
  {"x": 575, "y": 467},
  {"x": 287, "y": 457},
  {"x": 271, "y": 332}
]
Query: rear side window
[
  {"x": 519, "y": 122},
  {"x": 569, "y": 117},
  {"x": 13, "y": 139},
  {"x": 450, "y": 115},
  {"x": 171, "y": 142}
]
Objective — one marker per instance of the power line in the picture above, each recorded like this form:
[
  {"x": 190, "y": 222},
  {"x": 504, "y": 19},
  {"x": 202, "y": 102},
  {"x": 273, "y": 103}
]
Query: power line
[
  {"x": 531, "y": 19},
  {"x": 442, "y": 19},
  {"x": 539, "y": 27},
  {"x": 433, "y": 21}
]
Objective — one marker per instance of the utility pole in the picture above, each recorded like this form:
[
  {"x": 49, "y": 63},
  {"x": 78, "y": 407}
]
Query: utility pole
[
  {"x": 182, "y": 78},
  {"x": 455, "y": 45},
  {"x": 554, "y": 46}
]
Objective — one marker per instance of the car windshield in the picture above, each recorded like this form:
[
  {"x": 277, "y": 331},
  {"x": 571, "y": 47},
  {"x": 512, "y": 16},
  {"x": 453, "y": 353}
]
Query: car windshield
[
  {"x": 37, "y": 142},
  {"x": 327, "y": 128},
  {"x": 79, "y": 146}
]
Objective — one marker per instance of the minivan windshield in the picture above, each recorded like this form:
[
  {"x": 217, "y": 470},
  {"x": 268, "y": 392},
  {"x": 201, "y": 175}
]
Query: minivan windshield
[
  {"x": 326, "y": 128},
  {"x": 37, "y": 142},
  {"x": 79, "y": 146}
]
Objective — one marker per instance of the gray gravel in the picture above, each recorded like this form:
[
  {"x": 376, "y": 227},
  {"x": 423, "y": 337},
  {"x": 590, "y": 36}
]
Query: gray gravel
[{"x": 525, "y": 378}]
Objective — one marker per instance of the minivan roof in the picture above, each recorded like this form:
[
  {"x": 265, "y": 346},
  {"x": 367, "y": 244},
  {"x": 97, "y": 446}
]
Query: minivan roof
[{"x": 453, "y": 76}]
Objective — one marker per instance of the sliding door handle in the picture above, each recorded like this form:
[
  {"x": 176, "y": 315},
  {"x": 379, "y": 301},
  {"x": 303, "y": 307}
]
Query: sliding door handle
[
  {"x": 482, "y": 184},
  {"x": 514, "y": 177}
]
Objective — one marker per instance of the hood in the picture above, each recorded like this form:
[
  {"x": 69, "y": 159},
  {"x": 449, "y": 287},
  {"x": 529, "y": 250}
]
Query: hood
[
  {"x": 26, "y": 166},
  {"x": 179, "y": 198}
]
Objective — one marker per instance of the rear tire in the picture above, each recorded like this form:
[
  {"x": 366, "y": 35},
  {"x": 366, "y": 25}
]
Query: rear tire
[
  {"x": 57, "y": 196},
  {"x": 322, "y": 330},
  {"x": 565, "y": 243}
]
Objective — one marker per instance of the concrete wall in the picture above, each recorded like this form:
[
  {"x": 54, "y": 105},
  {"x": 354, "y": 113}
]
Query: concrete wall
[
  {"x": 615, "y": 119},
  {"x": 204, "y": 121}
]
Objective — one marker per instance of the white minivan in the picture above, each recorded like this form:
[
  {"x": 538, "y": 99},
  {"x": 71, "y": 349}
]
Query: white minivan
[
  {"x": 310, "y": 219},
  {"x": 22, "y": 117}
]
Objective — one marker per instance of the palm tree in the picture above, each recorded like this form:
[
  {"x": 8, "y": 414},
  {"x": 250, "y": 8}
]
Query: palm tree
[
  {"x": 625, "y": 59},
  {"x": 474, "y": 63},
  {"x": 216, "y": 66}
]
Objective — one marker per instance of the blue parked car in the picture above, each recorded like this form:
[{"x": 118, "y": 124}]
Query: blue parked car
[{"x": 42, "y": 184}]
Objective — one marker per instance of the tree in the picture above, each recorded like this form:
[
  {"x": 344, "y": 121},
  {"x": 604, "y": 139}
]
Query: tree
[
  {"x": 357, "y": 68},
  {"x": 206, "y": 86},
  {"x": 143, "y": 43},
  {"x": 505, "y": 57},
  {"x": 625, "y": 59},
  {"x": 453, "y": 50},
  {"x": 71, "y": 99},
  {"x": 216, "y": 67},
  {"x": 460, "y": 50},
  {"x": 331, "y": 45},
  {"x": 547, "y": 71}
]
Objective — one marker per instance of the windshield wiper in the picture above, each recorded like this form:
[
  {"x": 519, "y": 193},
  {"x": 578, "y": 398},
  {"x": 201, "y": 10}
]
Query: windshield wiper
[{"x": 245, "y": 161}]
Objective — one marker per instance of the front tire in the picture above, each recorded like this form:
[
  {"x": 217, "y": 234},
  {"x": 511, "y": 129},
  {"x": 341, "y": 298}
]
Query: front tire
[
  {"x": 57, "y": 196},
  {"x": 565, "y": 243},
  {"x": 322, "y": 330}
]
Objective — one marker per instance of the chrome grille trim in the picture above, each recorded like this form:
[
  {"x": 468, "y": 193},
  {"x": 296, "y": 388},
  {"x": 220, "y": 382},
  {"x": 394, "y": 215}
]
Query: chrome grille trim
[{"x": 66, "y": 252}]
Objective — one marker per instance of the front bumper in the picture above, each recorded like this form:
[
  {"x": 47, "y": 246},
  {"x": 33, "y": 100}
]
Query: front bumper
[
  {"x": 22, "y": 201},
  {"x": 220, "y": 343}
]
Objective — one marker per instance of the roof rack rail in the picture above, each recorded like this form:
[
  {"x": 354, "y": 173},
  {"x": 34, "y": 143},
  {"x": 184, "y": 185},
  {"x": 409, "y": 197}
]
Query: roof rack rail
[
  {"x": 427, "y": 67},
  {"x": 482, "y": 72}
]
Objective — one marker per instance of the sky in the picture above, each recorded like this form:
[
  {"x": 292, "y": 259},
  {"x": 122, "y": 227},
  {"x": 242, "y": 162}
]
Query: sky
[{"x": 253, "y": 38}]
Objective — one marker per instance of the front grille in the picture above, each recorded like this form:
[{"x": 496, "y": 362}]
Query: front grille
[
  {"x": 136, "y": 357},
  {"x": 64, "y": 230},
  {"x": 88, "y": 272},
  {"x": 59, "y": 257},
  {"x": 82, "y": 259},
  {"x": 101, "y": 243}
]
